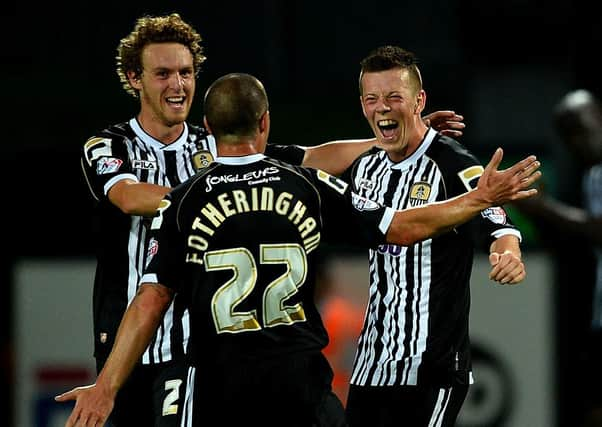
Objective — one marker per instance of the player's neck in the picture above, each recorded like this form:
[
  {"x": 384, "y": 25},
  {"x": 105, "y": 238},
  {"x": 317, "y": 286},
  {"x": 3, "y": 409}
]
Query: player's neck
[
  {"x": 227, "y": 147},
  {"x": 159, "y": 130}
]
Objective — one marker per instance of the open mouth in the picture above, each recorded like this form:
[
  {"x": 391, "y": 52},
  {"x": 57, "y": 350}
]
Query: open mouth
[
  {"x": 387, "y": 127},
  {"x": 176, "y": 101}
]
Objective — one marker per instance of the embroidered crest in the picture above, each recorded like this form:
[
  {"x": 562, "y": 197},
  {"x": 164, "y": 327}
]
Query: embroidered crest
[
  {"x": 420, "y": 191},
  {"x": 202, "y": 159}
]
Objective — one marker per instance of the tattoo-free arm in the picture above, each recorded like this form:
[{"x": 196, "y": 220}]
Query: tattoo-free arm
[
  {"x": 494, "y": 188},
  {"x": 137, "y": 198},
  {"x": 335, "y": 157},
  {"x": 94, "y": 403},
  {"x": 506, "y": 260}
]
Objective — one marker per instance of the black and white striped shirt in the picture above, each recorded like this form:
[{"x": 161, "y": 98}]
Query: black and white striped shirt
[
  {"x": 416, "y": 325},
  {"x": 126, "y": 151}
]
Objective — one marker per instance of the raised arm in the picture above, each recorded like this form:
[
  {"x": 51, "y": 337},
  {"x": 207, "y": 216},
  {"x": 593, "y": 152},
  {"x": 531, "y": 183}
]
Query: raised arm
[
  {"x": 94, "y": 403},
  {"x": 335, "y": 157},
  {"x": 494, "y": 188}
]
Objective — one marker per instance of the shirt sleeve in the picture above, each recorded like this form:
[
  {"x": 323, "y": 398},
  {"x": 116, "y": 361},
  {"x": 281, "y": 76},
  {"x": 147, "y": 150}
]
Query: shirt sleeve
[
  {"x": 493, "y": 222},
  {"x": 292, "y": 154},
  {"x": 349, "y": 218},
  {"x": 165, "y": 246},
  {"x": 105, "y": 161}
]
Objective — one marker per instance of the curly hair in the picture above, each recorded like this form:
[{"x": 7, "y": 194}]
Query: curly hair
[{"x": 155, "y": 29}]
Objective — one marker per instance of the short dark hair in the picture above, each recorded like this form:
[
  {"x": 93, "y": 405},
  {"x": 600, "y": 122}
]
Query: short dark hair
[
  {"x": 234, "y": 104},
  {"x": 155, "y": 29},
  {"x": 388, "y": 58}
]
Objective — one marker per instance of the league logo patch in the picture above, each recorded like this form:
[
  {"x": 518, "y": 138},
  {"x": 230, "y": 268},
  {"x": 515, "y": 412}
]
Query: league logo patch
[
  {"x": 202, "y": 159},
  {"x": 362, "y": 204},
  {"x": 108, "y": 165},
  {"x": 153, "y": 248},
  {"x": 420, "y": 191},
  {"x": 495, "y": 214}
]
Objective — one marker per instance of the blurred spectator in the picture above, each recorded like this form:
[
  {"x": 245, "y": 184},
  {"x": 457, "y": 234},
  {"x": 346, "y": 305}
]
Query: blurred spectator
[{"x": 578, "y": 123}]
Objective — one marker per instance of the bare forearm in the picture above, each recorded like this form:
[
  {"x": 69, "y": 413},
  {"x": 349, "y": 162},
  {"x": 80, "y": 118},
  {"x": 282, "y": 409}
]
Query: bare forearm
[
  {"x": 137, "y": 327},
  {"x": 493, "y": 188},
  {"x": 137, "y": 198},
  {"x": 413, "y": 225},
  {"x": 506, "y": 244},
  {"x": 336, "y": 156}
]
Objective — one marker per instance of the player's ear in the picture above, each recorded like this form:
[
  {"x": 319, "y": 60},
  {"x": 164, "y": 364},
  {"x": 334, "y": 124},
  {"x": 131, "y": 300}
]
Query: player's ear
[
  {"x": 420, "y": 102},
  {"x": 264, "y": 122},
  {"x": 207, "y": 125},
  {"x": 134, "y": 79}
]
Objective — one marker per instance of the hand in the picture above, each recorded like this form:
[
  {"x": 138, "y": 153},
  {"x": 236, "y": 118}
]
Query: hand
[
  {"x": 92, "y": 406},
  {"x": 499, "y": 187},
  {"x": 507, "y": 268},
  {"x": 445, "y": 122}
]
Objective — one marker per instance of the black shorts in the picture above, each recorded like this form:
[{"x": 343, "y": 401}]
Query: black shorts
[
  {"x": 153, "y": 395},
  {"x": 416, "y": 406},
  {"x": 292, "y": 391}
]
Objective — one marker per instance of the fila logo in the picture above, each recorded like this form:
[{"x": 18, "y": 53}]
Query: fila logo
[{"x": 144, "y": 164}]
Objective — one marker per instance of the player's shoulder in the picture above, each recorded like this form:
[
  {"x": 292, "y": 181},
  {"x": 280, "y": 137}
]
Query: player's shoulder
[
  {"x": 115, "y": 133},
  {"x": 449, "y": 152}
]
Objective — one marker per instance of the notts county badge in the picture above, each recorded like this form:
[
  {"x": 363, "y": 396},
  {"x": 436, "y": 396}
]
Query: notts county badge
[
  {"x": 202, "y": 159},
  {"x": 420, "y": 192}
]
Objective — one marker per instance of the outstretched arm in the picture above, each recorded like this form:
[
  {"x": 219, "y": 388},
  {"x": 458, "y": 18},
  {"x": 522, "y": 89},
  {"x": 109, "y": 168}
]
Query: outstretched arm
[
  {"x": 335, "y": 157},
  {"x": 137, "y": 198},
  {"x": 95, "y": 402},
  {"x": 494, "y": 188}
]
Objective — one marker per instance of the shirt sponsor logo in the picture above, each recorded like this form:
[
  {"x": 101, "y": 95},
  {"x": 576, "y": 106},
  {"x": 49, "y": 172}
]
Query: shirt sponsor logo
[
  {"x": 495, "y": 214},
  {"x": 253, "y": 178},
  {"x": 387, "y": 249},
  {"x": 144, "y": 164},
  {"x": 366, "y": 184},
  {"x": 108, "y": 165}
]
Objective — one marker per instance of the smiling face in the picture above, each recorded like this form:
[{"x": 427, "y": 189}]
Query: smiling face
[
  {"x": 166, "y": 88},
  {"x": 392, "y": 103}
]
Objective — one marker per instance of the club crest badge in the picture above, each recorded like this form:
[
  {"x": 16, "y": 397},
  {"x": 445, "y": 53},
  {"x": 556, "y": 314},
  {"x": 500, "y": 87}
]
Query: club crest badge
[
  {"x": 202, "y": 159},
  {"x": 420, "y": 191}
]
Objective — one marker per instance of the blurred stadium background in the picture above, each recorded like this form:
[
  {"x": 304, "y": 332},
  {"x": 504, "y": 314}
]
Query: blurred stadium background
[{"x": 502, "y": 65}]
